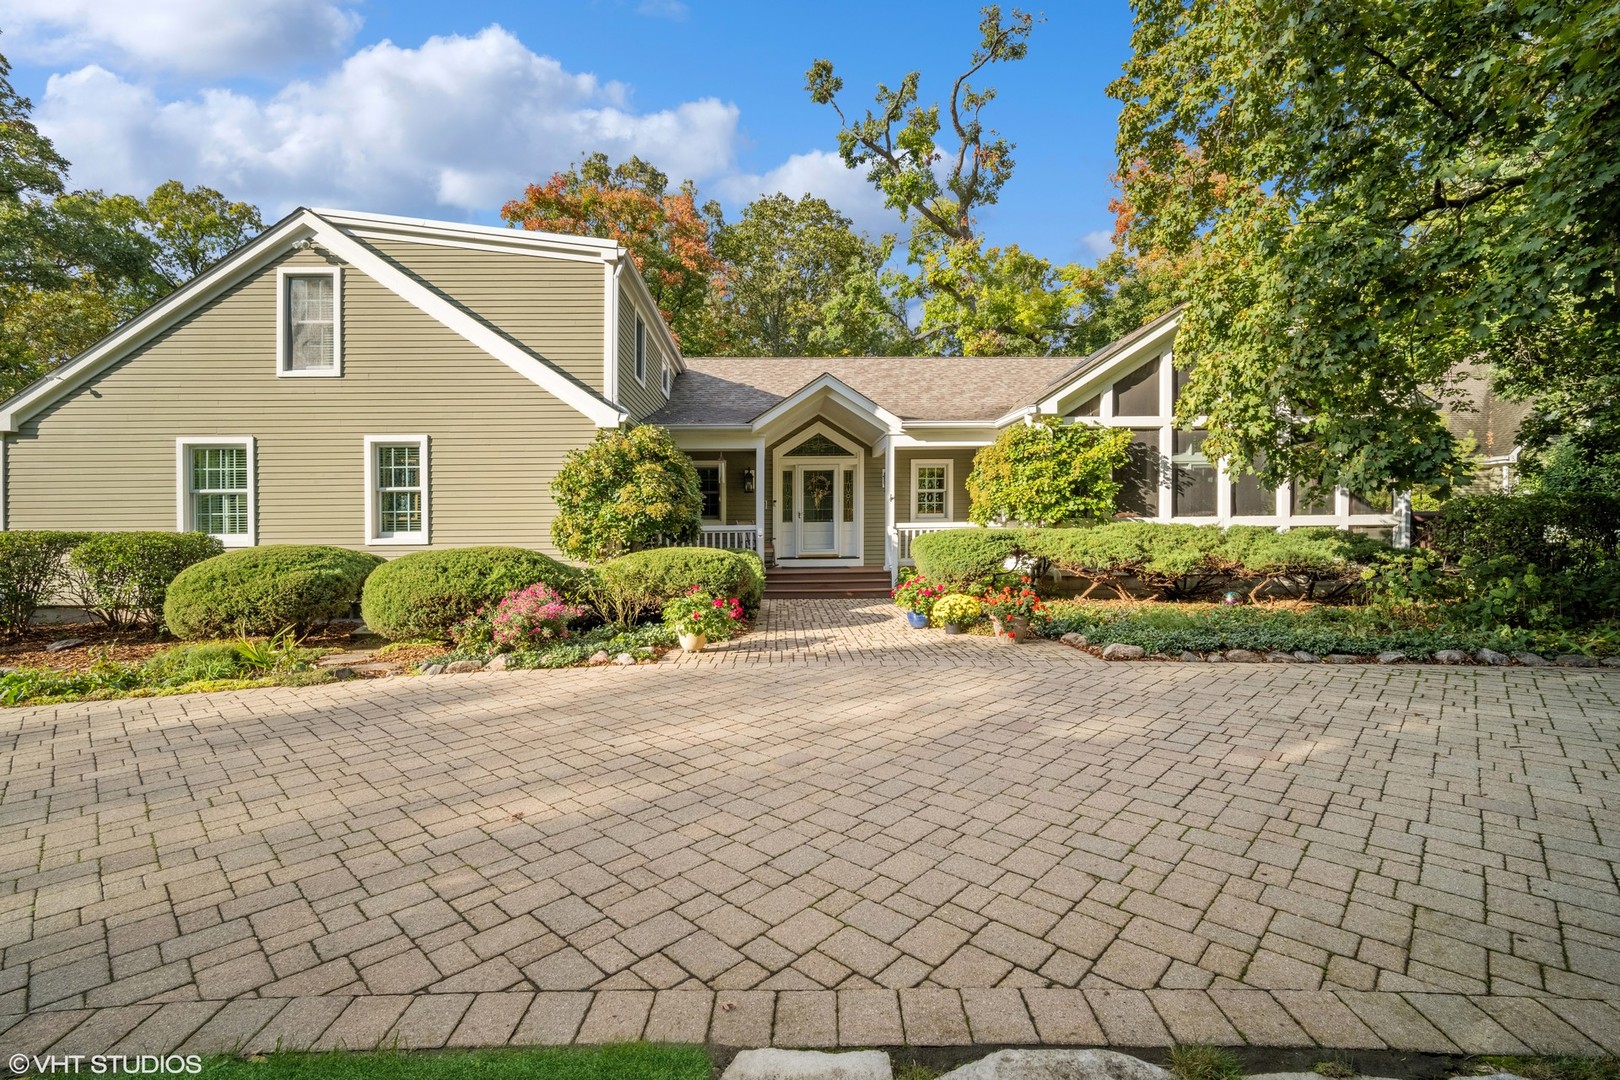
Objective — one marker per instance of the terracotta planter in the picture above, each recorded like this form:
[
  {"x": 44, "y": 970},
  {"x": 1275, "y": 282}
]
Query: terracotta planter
[
  {"x": 1014, "y": 630},
  {"x": 692, "y": 642}
]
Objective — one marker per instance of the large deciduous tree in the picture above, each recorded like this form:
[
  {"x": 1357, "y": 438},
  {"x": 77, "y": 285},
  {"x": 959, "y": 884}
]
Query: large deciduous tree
[
  {"x": 667, "y": 234},
  {"x": 1375, "y": 193},
  {"x": 786, "y": 263}
]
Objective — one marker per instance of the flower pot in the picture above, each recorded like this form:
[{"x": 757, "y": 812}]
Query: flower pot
[
  {"x": 917, "y": 619},
  {"x": 951, "y": 629},
  {"x": 997, "y": 627},
  {"x": 692, "y": 642},
  {"x": 1017, "y": 629}
]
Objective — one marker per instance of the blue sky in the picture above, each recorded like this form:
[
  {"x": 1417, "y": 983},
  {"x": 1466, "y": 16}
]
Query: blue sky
[{"x": 446, "y": 109}]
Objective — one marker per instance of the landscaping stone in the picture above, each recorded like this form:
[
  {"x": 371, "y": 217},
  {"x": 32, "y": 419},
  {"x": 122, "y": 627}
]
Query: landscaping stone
[
  {"x": 1306, "y": 657},
  {"x": 1058, "y": 1065},
  {"x": 1243, "y": 656},
  {"x": 1189, "y": 657},
  {"x": 1530, "y": 659},
  {"x": 1576, "y": 660},
  {"x": 1391, "y": 657},
  {"x": 1450, "y": 656},
  {"x": 1120, "y": 651},
  {"x": 498, "y": 662},
  {"x": 600, "y": 656},
  {"x": 1491, "y": 656},
  {"x": 624, "y": 659},
  {"x": 433, "y": 669},
  {"x": 808, "y": 1065},
  {"x": 1281, "y": 658},
  {"x": 463, "y": 667},
  {"x": 1072, "y": 638},
  {"x": 342, "y": 672},
  {"x": 1342, "y": 658},
  {"x": 64, "y": 643},
  {"x": 378, "y": 668},
  {"x": 1214, "y": 658},
  {"x": 1610, "y": 661},
  {"x": 344, "y": 659}
]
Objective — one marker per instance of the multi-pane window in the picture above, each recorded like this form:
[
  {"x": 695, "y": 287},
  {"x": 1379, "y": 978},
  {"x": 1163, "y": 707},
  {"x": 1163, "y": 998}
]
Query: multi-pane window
[
  {"x": 310, "y": 324},
  {"x": 709, "y": 486},
  {"x": 931, "y": 489},
  {"x": 1139, "y": 479},
  {"x": 1193, "y": 476},
  {"x": 397, "y": 489},
  {"x": 218, "y": 491}
]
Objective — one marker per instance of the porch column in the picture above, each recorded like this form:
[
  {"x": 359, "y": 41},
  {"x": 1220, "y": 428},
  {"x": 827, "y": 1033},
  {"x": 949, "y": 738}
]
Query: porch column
[
  {"x": 891, "y": 543},
  {"x": 759, "y": 498}
]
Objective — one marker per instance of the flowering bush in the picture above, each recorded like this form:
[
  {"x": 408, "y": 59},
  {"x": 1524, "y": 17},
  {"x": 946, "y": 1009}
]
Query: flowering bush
[
  {"x": 699, "y": 611},
  {"x": 917, "y": 594},
  {"x": 523, "y": 619},
  {"x": 957, "y": 609},
  {"x": 1009, "y": 603}
]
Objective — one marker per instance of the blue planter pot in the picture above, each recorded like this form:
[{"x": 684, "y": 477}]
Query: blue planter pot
[{"x": 917, "y": 621}]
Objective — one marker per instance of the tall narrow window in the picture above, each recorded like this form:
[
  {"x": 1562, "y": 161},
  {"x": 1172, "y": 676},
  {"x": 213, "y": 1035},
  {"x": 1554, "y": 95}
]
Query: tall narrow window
[
  {"x": 641, "y": 351},
  {"x": 311, "y": 332},
  {"x": 787, "y": 495},
  {"x": 1193, "y": 476},
  {"x": 849, "y": 496},
  {"x": 709, "y": 484},
  {"x": 216, "y": 489},
  {"x": 1139, "y": 479},
  {"x": 1137, "y": 393},
  {"x": 930, "y": 490},
  {"x": 397, "y": 489},
  {"x": 1250, "y": 497}
]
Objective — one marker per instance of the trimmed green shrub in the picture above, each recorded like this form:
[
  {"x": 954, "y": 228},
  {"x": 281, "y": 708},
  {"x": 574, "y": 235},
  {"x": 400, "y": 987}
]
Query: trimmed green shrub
[
  {"x": 628, "y": 588},
  {"x": 968, "y": 560},
  {"x": 1305, "y": 559},
  {"x": 623, "y": 492},
  {"x": 422, "y": 595},
  {"x": 121, "y": 577},
  {"x": 265, "y": 590},
  {"x": 31, "y": 570}
]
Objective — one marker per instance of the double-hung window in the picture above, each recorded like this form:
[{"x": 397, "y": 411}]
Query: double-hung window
[
  {"x": 216, "y": 489},
  {"x": 310, "y": 321},
  {"x": 930, "y": 490},
  {"x": 711, "y": 483},
  {"x": 397, "y": 489}
]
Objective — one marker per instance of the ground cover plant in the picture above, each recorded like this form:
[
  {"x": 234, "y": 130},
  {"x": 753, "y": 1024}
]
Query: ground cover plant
[{"x": 629, "y": 1061}]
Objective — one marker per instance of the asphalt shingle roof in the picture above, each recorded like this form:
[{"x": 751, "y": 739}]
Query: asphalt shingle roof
[{"x": 736, "y": 389}]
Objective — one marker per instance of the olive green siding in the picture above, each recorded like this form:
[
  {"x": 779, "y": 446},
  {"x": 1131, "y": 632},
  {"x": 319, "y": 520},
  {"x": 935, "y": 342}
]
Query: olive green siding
[
  {"x": 871, "y": 496},
  {"x": 639, "y": 398},
  {"x": 103, "y": 457},
  {"x": 555, "y": 307},
  {"x": 961, "y": 464}
]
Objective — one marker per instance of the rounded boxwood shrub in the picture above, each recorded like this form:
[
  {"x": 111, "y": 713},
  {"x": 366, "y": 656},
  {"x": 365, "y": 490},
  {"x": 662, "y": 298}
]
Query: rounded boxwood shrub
[
  {"x": 632, "y": 586},
  {"x": 423, "y": 595},
  {"x": 122, "y": 577},
  {"x": 31, "y": 571},
  {"x": 264, "y": 590},
  {"x": 967, "y": 560}
]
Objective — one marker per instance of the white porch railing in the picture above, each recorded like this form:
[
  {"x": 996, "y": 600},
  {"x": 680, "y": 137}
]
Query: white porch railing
[
  {"x": 730, "y": 536},
  {"x": 907, "y": 531}
]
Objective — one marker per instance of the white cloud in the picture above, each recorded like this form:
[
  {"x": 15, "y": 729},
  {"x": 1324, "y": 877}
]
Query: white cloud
[
  {"x": 1097, "y": 243},
  {"x": 460, "y": 123},
  {"x": 184, "y": 36},
  {"x": 821, "y": 173}
]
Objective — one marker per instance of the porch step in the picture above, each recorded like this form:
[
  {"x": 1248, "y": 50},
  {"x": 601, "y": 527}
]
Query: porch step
[{"x": 811, "y": 582}]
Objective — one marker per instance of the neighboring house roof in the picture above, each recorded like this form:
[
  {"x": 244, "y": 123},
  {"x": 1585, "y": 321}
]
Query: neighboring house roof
[
  {"x": 341, "y": 241},
  {"x": 1492, "y": 421},
  {"x": 731, "y": 391}
]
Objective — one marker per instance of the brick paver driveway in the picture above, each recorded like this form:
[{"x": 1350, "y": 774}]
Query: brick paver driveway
[{"x": 981, "y": 843}]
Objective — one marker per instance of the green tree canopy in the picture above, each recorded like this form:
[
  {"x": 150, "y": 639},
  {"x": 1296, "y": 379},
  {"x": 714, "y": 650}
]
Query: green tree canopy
[
  {"x": 1374, "y": 193},
  {"x": 1047, "y": 472},
  {"x": 627, "y": 490}
]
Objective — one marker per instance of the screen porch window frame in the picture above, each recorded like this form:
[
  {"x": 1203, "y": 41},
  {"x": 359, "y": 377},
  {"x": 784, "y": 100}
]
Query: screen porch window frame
[
  {"x": 719, "y": 466},
  {"x": 284, "y": 276},
  {"x": 186, "y": 493},
  {"x": 949, "y": 479},
  {"x": 374, "y": 490}
]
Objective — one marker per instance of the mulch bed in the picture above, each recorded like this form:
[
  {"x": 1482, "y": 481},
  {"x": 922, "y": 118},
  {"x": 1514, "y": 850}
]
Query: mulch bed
[{"x": 100, "y": 644}]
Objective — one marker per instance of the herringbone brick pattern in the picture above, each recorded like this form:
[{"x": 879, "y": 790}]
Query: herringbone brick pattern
[{"x": 845, "y": 852}]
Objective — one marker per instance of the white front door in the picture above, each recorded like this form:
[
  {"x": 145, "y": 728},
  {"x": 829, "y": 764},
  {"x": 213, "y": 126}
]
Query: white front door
[{"x": 818, "y": 496}]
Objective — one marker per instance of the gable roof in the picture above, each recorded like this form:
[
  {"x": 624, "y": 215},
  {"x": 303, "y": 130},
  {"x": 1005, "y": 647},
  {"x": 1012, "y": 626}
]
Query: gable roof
[
  {"x": 298, "y": 227},
  {"x": 732, "y": 391}
]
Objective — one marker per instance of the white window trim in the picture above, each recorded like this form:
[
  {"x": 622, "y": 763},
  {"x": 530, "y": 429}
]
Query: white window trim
[
  {"x": 373, "y": 531},
  {"x": 283, "y": 328},
  {"x": 665, "y": 379},
  {"x": 918, "y": 464},
  {"x": 183, "y": 521},
  {"x": 639, "y": 347},
  {"x": 715, "y": 463}
]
